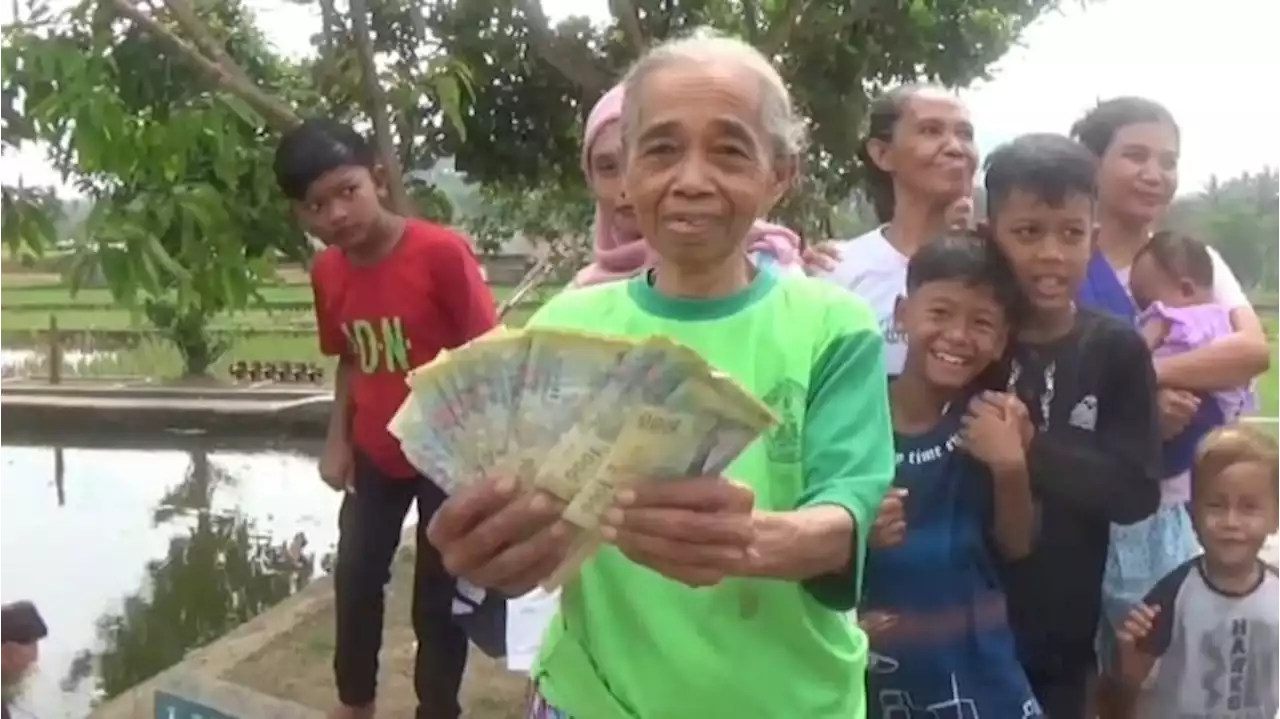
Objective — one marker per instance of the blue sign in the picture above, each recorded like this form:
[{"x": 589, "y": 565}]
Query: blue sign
[{"x": 169, "y": 706}]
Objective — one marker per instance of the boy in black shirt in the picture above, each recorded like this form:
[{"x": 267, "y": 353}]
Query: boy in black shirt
[{"x": 1087, "y": 381}]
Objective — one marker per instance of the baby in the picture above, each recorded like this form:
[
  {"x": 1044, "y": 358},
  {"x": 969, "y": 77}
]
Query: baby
[{"x": 1172, "y": 284}]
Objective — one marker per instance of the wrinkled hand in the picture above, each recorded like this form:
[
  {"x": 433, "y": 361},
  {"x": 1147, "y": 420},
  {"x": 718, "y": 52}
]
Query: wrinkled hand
[
  {"x": 696, "y": 531},
  {"x": 890, "y": 525},
  {"x": 337, "y": 466},
  {"x": 1177, "y": 407},
  {"x": 497, "y": 536},
  {"x": 821, "y": 257},
  {"x": 997, "y": 429}
]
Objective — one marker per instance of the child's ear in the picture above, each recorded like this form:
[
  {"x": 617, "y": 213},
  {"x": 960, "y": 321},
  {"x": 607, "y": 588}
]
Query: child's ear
[{"x": 1186, "y": 287}]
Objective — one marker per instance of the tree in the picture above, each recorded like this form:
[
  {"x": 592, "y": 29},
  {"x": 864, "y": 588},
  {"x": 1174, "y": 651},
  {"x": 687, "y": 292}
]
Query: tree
[
  {"x": 163, "y": 117},
  {"x": 534, "y": 81},
  {"x": 1240, "y": 217},
  {"x": 552, "y": 223}
]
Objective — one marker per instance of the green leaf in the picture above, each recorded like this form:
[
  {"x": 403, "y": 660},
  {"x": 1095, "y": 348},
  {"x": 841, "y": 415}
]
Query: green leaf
[
  {"x": 241, "y": 109},
  {"x": 449, "y": 96}
]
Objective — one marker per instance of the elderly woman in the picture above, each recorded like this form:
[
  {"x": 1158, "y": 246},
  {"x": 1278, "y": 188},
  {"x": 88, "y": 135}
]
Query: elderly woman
[
  {"x": 714, "y": 597},
  {"x": 919, "y": 157}
]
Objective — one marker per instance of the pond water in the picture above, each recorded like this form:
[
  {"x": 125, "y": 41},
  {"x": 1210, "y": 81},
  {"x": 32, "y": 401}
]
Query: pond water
[
  {"x": 23, "y": 361},
  {"x": 136, "y": 557}
]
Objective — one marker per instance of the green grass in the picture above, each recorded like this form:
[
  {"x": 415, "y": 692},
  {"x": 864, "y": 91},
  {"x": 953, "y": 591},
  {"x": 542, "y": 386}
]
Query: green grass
[
  {"x": 155, "y": 358},
  {"x": 27, "y": 309},
  {"x": 16, "y": 297},
  {"x": 88, "y": 320}
]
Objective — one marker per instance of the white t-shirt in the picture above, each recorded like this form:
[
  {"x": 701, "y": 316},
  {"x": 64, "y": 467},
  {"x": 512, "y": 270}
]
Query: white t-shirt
[
  {"x": 1226, "y": 288},
  {"x": 876, "y": 271}
]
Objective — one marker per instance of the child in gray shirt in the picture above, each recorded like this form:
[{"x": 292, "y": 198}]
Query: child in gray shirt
[{"x": 1206, "y": 639}]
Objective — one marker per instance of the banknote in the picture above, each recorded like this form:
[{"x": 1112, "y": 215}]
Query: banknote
[{"x": 577, "y": 414}]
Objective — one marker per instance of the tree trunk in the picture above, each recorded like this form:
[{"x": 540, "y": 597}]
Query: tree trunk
[{"x": 376, "y": 102}]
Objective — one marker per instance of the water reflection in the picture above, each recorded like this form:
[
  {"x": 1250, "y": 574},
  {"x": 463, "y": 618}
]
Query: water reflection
[
  {"x": 146, "y": 555},
  {"x": 22, "y": 362}
]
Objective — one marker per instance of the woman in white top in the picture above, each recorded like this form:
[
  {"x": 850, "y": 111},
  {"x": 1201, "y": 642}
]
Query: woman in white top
[{"x": 919, "y": 159}]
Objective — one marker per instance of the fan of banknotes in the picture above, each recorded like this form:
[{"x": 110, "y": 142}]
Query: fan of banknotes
[{"x": 574, "y": 414}]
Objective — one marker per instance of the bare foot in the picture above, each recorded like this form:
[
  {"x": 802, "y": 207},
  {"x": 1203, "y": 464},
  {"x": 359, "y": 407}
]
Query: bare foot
[{"x": 345, "y": 712}]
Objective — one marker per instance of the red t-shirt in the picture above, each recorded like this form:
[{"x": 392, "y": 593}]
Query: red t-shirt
[{"x": 387, "y": 318}]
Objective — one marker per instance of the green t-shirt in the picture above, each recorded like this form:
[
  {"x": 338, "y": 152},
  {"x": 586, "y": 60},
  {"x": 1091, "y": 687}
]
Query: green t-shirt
[{"x": 631, "y": 644}]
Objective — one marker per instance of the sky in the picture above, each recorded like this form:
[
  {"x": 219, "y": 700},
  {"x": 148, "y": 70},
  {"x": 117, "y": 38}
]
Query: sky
[{"x": 1207, "y": 62}]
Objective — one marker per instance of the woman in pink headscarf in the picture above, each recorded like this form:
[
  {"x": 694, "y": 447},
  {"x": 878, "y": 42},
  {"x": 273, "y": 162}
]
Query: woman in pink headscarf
[{"x": 619, "y": 251}]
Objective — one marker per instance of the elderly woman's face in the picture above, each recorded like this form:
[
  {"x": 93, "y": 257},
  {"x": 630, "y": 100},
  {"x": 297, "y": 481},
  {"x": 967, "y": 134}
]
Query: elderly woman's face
[{"x": 700, "y": 167}]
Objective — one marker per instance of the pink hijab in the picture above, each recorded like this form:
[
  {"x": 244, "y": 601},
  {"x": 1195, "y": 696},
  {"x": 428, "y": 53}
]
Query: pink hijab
[{"x": 620, "y": 255}]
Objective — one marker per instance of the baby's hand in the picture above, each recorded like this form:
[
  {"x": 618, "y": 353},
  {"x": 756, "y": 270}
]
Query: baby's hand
[{"x": 1154, "y": 330}]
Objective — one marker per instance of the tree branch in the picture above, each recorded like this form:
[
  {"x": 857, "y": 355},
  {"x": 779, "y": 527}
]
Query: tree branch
[
  {"x": 751, "y": 19},
  {"x": 203, "y": 38},
  {"x": 376, "y": 101},
  {"x": 628, "y": 17},
  {"x": 779, "y": 32},
  {"x": 579, "y": 68},
  {"x": 275, "y": 112}
]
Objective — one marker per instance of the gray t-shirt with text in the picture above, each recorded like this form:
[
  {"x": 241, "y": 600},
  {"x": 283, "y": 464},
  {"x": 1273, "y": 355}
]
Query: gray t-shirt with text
[{"x": 1218, "y": 651}]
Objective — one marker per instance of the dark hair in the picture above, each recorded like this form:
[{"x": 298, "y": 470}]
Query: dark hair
[
  {"x": 1180, "y": 255},
  {"x": 1227, "y": 446},
  {"x": 883, "y": 118},
  {"x": 1099, "y": 126},
  {"x": 20, "y": 623},
  {"x": 315, "y": 147},
  {"x": 1051, "y": 167},
  {"x": 969, "y": 258}
]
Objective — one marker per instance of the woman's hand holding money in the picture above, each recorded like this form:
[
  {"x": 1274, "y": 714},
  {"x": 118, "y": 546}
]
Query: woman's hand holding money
[
  {"x": 696, "y": 531},
  {"x": 496, "y": 536}
]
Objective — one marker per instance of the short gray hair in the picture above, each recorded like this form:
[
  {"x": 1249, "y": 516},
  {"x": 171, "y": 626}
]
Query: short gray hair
[{"x": 706, "y": 45}]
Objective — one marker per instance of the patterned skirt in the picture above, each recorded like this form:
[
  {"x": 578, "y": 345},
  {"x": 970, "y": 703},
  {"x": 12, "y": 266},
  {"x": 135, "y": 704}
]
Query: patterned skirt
[{"x": 1139, "y": 556}]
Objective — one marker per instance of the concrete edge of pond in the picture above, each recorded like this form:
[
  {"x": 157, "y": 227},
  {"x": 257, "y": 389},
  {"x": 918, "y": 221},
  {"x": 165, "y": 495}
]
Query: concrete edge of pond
[
  {"x": 51, "y": 412},
  {"x": 218, "y": 657},
  {"x": 202, "y": 670}
]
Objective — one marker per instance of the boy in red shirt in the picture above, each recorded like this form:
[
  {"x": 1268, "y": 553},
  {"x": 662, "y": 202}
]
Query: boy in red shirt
[{"x": 390, "y": 293}]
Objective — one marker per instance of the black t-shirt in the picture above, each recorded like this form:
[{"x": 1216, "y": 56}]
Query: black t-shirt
[{"x": 1095, "y": 461}]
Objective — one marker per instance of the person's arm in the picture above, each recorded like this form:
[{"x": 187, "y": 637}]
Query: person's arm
[
  {"x": 1013, "y": 514},
  {"x": 848, "y": 464},
  {"x": 1138, "y": 645},
  {"x": 333, "y": 343},
  {"x": 463, "y": 294},
  {"x": 340, "y": 415},
  {"x": 1228, "y": 362},
  {"x": 1111, "y": 471}
]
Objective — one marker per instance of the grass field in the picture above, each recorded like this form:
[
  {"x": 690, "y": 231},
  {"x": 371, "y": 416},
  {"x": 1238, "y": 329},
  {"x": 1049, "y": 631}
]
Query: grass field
[
  {"x": 280, "y": 331},
  {"x": 90, "y": 324}
]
